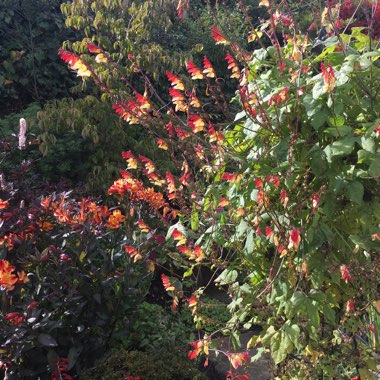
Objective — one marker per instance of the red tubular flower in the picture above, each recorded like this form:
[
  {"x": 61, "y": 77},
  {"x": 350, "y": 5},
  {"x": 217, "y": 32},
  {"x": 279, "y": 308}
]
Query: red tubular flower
[
  {"x": 133, "y": 253},
  {"x": 3, "y": 204},
  {"x": 143, "y": 227},
  {"x": 68, "y": 57},
  {"x": 208, "y": 69},
  {"x": 194, "y": 71},
  {"x": 259, "y": 183},
  {"x": 169, "y": 287},
  {"x": 171, "y": 183},
  {"x": 284, "y": 197},
  {"x": 294, "y": 239},
  {"x": 315, "y": 201},
  {"x": 92, "y": 48},
  {"x": 131, "y": 159},
  {"x": 162, "y": 144},
  {"x": 199, "y": 346},
  {"x": 179, "y": 237},
  {"x": 345, "y": 273},
  {"x": 170, "y": 128},
  {"x": 149, "y": 165},
  {"x": 350, "y": 306},
  {"x": 143, "y": 101},
  {"x": 218, "y": 36},
  {"x": 14, "y": 318},
  {"x": 176, "y": 83},
  {"x": 269, "y": 232},
  {"x": 232, "y": 65},
  {"x": 229, "y": 177},
  {"x": 178, "y": 99},
  {"x": 196, "y": 123},
  {"x": 328, "y": 77},
  {"x": 238, "y": 359}
]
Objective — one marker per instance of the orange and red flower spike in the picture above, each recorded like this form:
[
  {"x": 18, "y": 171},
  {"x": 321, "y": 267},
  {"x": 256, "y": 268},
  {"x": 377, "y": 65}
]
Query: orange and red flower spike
[
  {"x": 194, "y": 71},
  {"x": 233, "y": 66},
  {"x": 328, "y": 77},
  {"x": 169, "y": 287},
  {"x": 176, "y": 83},
  {"x": 92, "y": 48},
  {"x": 143, "y": 226},
  {"x": 133, "y": 253},
  {"x": 179, "y": 237},
  {"x": 218, "y": 36},
  {"x": 208, "y": 69},
  {"x": 162, "y": 144},
  {"x": 196, "y": 123},
  {"x": 131, "y": 159}
]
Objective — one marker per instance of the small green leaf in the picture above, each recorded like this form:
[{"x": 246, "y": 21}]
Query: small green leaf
[{"x": 355, "y": 191}]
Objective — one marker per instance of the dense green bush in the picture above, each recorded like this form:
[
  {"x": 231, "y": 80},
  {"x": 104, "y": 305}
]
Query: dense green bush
[
  {"x": 281, "y": 202},
  {"x": 160, "y": 364},
  {"x": 30, "y": 70}
]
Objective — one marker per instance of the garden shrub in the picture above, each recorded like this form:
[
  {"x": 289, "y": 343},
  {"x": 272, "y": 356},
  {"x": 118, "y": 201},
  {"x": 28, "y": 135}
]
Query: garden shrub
[
  {"x": 281, "y": 200},
  {"x": 159, "y": 364},
  {"x": 154, "y": 327},
  {"x": 66, "y": 282}
]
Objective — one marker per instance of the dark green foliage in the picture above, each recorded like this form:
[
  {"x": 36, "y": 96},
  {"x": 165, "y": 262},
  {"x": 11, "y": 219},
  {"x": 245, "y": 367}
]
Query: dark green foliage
[
  {"x": 82, "y": 140},
  {"x": 154, "y": 328},
  {"x": 30, "y": 70},
  {"x": 212, "y": 315},
  {"x": 10, "y": 124},
  {"x": 160, "y": 364}
]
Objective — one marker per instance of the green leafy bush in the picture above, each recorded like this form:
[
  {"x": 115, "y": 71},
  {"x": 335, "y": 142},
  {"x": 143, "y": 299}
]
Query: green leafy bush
[
  {"x": 159, "y": 364},
  {"x": 281, "y": 202},
  {"x": 154, "y": 328}
]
